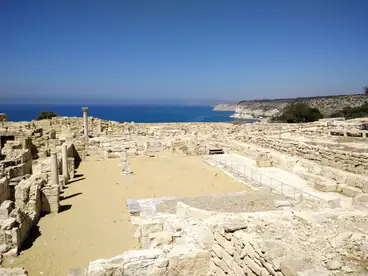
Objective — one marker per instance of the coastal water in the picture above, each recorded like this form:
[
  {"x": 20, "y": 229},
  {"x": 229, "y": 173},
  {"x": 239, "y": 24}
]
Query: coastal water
[{"x": 127, "y": 113}]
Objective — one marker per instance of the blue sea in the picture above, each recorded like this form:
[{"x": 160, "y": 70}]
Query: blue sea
[{"x": 127, "y": 113}]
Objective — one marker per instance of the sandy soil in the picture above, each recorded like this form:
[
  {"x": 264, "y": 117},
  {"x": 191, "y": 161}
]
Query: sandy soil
[{"x": 94, "y": 222}]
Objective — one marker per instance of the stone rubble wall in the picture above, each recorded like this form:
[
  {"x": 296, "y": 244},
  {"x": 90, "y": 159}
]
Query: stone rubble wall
[
  {"x": 356, "y": 162},
  {"x": 349, "y": 184},
  {"x": 26, "y": 193}
]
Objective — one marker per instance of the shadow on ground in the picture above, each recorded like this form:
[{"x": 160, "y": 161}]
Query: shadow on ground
[
  {"x": 33, "y": 235},
  {"x": 69, "y": 196},
  {"x": 64, "y": 208}
]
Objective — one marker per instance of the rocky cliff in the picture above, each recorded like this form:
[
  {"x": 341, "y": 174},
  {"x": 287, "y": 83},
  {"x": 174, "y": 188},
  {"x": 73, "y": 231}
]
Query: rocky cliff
[
  {"x": 257, "y": 109},
  {"x": 224, "y": 107}
]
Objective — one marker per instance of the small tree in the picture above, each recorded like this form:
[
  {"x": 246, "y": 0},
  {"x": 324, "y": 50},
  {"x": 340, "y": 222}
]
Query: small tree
[
  {"x": 299, "y": 113},
  {"x": 46, "y": 115},
  {"x": 365, "y": 88}
]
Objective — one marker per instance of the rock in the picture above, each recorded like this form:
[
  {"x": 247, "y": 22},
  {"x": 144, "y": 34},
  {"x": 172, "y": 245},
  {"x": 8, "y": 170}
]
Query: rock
[
  {"x": 8, "y": 223},
  {"x": 351, "y": 191},
  {"x": 281, "y": 203},
  {"x": 11, "y": 253},
  {"x": 12, "y": 272},
  {"x": 333, "y": 265},
  {"x": 4, "y": 248},
  {"x": 290, "y": 267},
  {"x": 325, "y": 186},
  {"x": 77, "y": 272}
]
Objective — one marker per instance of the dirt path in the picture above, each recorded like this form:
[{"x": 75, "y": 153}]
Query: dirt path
[{"x": 94, "y": 222}]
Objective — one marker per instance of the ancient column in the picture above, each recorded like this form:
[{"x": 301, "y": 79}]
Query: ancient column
[
  {"x": 85, "y": 121},
  {"x": 98, "y": 132},
  {"x": 54, "y": 169},
  {"x": 64, "y": 151}
]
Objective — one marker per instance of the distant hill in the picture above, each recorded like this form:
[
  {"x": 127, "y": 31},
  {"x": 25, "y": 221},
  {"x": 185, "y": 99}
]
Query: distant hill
[{"x": 327, "y": 105}]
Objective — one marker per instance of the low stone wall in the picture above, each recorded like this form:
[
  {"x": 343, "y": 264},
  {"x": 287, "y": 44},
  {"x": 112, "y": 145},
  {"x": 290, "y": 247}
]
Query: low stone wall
[
  {"x": 301, "y": 244},
  {"x": 348, "y": 161},
  {"x": 350, "y": 184}
]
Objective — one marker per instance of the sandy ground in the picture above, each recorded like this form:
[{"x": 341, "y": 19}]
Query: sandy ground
[{"x": 94, "y": 222}]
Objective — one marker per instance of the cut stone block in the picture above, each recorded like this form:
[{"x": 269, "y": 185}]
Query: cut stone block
[
  {"x": 351, "y": 191},
  {"x": 325, "y": 186}
]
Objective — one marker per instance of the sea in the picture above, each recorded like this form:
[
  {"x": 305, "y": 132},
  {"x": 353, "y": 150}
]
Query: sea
[{"x": 122, "y": 113}]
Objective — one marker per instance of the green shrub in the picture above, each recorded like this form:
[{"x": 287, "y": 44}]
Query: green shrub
[
  {"x": 298, "y": 113},
  {"x": 365, "y": 88},
  {"x": 46, "y": 115},
  {"x": 352, "y": 112}
]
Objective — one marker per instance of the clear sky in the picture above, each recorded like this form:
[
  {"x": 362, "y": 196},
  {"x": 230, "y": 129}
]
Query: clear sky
[{"x": 181, "y": 51}]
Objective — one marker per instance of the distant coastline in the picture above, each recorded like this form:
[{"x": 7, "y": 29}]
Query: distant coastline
[
  {"x": 115, "y": 112},
  {"x": 225, "y": 107}
]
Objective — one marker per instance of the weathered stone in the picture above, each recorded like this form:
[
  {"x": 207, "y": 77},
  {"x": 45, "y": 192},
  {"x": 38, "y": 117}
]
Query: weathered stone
[
  {"x": 8, "y": 223},
  {"x": 224, "y": 243},
  {"x": 333, "y": 265},
  {"x": 351, "y": 191}
]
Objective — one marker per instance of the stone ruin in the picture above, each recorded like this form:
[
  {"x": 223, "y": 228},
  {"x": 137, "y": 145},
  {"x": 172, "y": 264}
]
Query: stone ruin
[
  {"x": 301, "y": 238},
  {"x": 34, "y": 168}
]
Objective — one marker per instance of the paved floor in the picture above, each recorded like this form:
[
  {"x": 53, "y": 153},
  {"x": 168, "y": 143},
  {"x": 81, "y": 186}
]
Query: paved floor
[{"x": 280, "y": 181}]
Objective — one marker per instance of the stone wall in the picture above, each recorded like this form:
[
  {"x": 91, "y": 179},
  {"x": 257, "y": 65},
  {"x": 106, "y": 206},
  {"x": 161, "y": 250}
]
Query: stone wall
[
  {"x": 356, "y": 162},
  {"x": 350, "y": 184},
  {"x": 304, "y": 243}
]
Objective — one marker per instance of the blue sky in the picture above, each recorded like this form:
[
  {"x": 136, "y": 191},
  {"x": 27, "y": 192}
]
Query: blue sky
[{"x": 180, "y": 51}]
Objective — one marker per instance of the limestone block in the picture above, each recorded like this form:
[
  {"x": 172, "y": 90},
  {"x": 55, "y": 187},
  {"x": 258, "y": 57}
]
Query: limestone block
[
  {"x": 185, "y": 211},
  {"x": 6, "y": 207},
  {"x": 16, "y": 237},
  {"x": 71, "y": 168},
  {"x": 224, "y": 243},
  {"x": 325, "y": 186},
  {"x": 237, "y": 269},
  {"x": 219, "y": 272},
  {"x": 220, "y": 263},
  {"x": 50, "y": 198},
  {"x": 291, "y": 267},
  {"x": 351, "y": 191},
  {"x": 282, "y": 203},
  {"x": 77, "y": 272},
  {"x": 12, "y": 272},
  {"x": 252, "y": 265},
  {"x": 160, "y": 239},
  {"x": 365, "y": 187},
  {"x": 8, "y": 223},
  {"x": 4, "y": 189},
  {"x": 151, "y": 226},
  {"x": 217, "y": 249},
  {"x": 184, "y": 261},
  {"x": 140, "y": 262},
  {"x": 361, "y": 199},
  {"x": 103, "y": 267}
]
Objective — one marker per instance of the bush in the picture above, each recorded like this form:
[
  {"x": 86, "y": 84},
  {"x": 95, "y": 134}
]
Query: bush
[
  {"x": 352, "y": 112},
  {"x": 46, "y": 115},
  {"x": 365, "y": 88},
  {"x": 298, "y": 113}
]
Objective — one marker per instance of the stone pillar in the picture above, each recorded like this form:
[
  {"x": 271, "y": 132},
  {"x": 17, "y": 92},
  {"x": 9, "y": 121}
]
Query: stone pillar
[
  {"x": 85, "y": 121},
  {"x": 54, "y": 169},
  {"x": 98, "y": 127},
  {"x": 64, "y": 151}
]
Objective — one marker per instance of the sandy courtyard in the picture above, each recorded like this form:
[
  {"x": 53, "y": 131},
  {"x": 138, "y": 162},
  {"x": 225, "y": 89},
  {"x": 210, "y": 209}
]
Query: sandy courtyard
[{"x": 94, "y": 223}]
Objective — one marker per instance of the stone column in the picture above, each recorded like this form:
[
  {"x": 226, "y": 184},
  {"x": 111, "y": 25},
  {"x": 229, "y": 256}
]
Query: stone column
[
  {"x": 85, "y": 121},
  {"x": 98, "y": 127},
  {"x": 64, "y": 151},
  {"x": 54, "y": 169}
]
